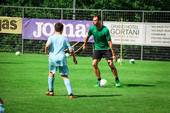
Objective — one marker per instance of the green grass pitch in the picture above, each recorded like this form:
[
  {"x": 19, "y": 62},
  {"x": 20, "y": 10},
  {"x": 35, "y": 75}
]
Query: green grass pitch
[{"x": 23, "y": 83}]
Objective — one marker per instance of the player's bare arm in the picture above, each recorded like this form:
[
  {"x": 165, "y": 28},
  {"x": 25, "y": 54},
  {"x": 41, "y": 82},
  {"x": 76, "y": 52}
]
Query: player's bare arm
[
  {"x": 112, "y": 49},
  {"x": 46, "y": 48},
  {"x": 85, "y": 41}
]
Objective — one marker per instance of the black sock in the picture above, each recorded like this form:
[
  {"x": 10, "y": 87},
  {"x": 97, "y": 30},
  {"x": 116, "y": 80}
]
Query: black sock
[
  {"x": 117, "y": 79},
  {"x": 99, "y": 79},
  {"x": 71, "y": 94},
  {"x": 51, "y": 91}
]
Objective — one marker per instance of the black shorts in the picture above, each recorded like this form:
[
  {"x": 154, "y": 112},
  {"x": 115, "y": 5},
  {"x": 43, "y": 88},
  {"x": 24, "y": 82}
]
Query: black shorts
[{"x": 98, "y": 54}]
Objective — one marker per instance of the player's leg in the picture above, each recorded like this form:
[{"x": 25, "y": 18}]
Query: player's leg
[
  {"x": 96, "y": 68},
  {"x": 113, "y": 68},
  {"x": 52, "y": 70},
  {"x": 50, "y": 84},
  {"x": 108, "y": 56},
  {"x": 64, "y": 74},
  {"x": 68, "y": 86},
  {"x": 96, "y": 59}
]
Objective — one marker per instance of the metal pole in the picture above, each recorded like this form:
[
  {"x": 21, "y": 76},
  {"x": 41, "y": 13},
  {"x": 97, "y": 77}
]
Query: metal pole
[
  {"x": 21, "y": 34},
  {"x": 145, "y": 36},
  {"x": 101, "y": 16},
  {"x": 121, "y": 43},
  {"x": 61, "y": 13},
  {"x": 74, "y": 9}
]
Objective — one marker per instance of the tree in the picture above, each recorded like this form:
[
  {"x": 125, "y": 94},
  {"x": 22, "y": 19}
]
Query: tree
[{"x": 94, "y": 4}]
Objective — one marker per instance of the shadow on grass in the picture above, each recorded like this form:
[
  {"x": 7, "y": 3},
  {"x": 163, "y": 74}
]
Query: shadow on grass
[
  {"x": 139, "y": 85},
  {"x": 91, "y": 96},
  {"x": 6, "y": 62},
  {"x": 84, "y": 96}
]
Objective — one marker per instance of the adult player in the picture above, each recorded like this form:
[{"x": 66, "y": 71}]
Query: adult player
[
  {"x": 102, "y": 48},
  {"x": 55, "y": 45}
]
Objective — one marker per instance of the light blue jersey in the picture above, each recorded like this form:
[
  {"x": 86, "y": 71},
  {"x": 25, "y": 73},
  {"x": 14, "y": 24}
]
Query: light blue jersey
[
  {"x": 2, "y": 109},
  {"x": 57, "y": 59}
]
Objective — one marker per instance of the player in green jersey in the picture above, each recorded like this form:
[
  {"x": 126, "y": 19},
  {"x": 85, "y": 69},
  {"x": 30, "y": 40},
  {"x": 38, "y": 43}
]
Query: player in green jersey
[{"x": 102, "y": 48}]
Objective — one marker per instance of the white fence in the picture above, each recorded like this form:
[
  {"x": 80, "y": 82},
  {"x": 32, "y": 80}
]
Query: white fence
[{"x": 152, "y": 28}]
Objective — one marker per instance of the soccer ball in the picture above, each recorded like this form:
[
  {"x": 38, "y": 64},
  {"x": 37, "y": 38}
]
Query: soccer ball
[
  {"x": 103, "y": 82},
  {"x": 119, "y": 60},
  {"x": 67, "y": 54},
  {"x": 132, "y": 61},
  {"x": 17, "y": 53}
]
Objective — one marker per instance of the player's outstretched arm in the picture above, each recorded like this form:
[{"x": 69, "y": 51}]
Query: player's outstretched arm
[{"x": 85, "y": 42}]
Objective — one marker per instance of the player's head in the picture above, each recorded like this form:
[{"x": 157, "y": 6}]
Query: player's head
[
  {"x": 1, "y": 101},
  {"x": 96, "y": 20},
  {"x": 59, "y": 27}
]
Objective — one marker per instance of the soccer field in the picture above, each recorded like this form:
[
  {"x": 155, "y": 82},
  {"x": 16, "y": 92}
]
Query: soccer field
[{"x": 23, "y": 83}]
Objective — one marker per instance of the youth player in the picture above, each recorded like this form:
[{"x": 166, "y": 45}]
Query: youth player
[
  {"x": 2, "y": 109},
  {"x": 102, "y": 48},
  {"x": 55, "y": 45}
]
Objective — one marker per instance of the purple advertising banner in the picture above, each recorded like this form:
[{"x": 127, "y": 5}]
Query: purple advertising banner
[{"x": 41, "y": 29}]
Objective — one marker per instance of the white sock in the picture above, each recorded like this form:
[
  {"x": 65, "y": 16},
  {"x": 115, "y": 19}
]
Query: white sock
[
  {"x": 51, "y": 83},
  {"x": 68, "y": 86}
]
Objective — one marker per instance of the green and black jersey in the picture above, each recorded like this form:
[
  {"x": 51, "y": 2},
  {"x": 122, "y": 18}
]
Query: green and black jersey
[{"x": 101, "y": 37}]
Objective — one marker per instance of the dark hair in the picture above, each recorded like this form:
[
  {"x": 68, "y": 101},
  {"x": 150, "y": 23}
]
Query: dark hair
[
  {"x": 98, "y": 17},
  {"x": 59, "y": 27},
  {"x": 1, "y": 101}
]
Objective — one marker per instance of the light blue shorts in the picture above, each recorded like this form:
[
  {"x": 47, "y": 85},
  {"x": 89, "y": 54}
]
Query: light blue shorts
[{"x": 63, "y": 70}]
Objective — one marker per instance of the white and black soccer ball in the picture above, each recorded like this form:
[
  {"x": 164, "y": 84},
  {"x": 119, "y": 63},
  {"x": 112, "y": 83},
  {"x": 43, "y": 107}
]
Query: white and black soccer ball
[
  {"x": 132, "y": 61},
  {"x": 119, "y": 60},
  {"x": 103, "y": 82},
  {"x": 67, "y": 54},
  {"x": 17, "y": 53}
]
